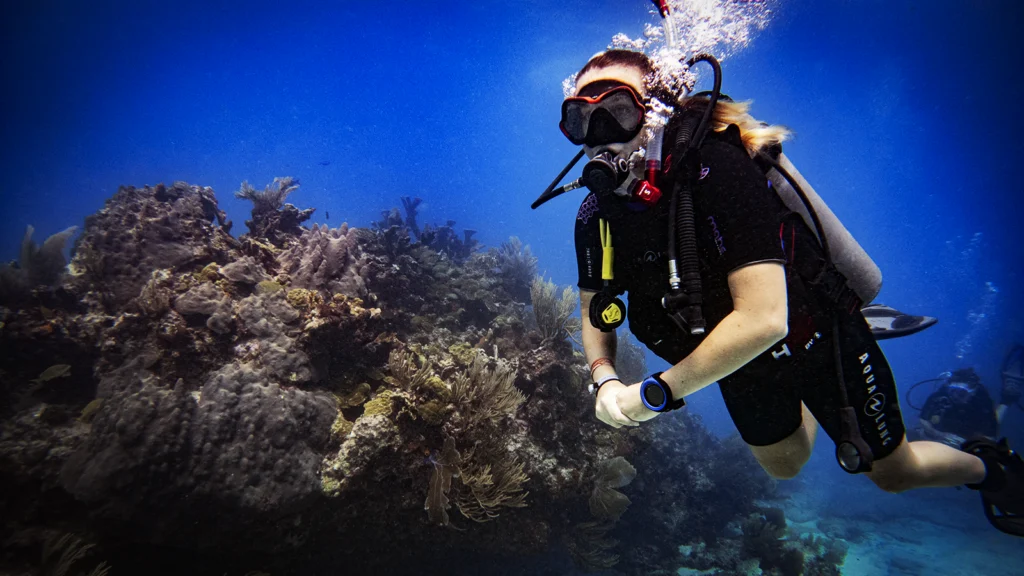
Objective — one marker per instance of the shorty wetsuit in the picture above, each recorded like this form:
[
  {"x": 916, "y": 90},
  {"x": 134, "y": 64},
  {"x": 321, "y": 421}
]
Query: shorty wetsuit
[{"x": 740, "y": 221}]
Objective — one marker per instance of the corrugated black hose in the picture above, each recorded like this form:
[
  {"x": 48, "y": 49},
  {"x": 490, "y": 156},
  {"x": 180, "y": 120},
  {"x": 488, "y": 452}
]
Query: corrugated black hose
[{"x": 684, "y": 299}]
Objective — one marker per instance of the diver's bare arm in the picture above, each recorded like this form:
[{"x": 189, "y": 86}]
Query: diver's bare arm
[
  {"x": 759, "y": 319},
  {"x": 596, "y": 344}
]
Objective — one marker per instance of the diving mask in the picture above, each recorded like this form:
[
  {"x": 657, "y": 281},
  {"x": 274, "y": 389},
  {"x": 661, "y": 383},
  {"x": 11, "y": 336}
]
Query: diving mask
[
  {"x": 614, "y": 115},
  {"x": 960, "y": 392}
]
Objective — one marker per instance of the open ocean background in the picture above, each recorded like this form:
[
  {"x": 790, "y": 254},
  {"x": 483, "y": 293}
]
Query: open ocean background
[{"x": 906, "y": 115}]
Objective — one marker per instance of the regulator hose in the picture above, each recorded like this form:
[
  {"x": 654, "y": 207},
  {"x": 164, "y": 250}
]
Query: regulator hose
[{"x": 684, "y": 298}]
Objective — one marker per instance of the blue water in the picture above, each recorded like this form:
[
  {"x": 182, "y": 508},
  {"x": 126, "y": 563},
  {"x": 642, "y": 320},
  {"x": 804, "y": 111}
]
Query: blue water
[{"x": 905, "y": 114}]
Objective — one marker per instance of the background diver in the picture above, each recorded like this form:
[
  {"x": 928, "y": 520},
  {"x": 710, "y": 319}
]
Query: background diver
[
  {"x": 960, "y": 408},
  {"x": 753, "y": 299}
]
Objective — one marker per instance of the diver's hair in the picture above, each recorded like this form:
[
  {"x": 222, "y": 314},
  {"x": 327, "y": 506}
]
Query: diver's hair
[
  {"x": 965, "y": 375},
  {"x": 609, "y": 58},
  {"x": 757, "y": 136}
]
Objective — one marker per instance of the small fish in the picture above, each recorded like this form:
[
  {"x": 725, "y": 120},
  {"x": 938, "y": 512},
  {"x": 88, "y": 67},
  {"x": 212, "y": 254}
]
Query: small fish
[
  {"x": 324, "y": 162},
  {"x": 54, "y": 372},
  {"x": 327, "y": 215},
  {"x": 46, "y": 313}
]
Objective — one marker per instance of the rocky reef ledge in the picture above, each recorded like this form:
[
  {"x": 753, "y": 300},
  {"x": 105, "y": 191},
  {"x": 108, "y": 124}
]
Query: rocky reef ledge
[{"x": 313, "y": 400}]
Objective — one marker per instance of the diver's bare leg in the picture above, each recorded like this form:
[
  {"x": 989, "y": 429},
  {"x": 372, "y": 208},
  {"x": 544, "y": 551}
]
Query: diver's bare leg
[
  {"x": 925, "y": 465},
  {"x": 784, "y": 459}
]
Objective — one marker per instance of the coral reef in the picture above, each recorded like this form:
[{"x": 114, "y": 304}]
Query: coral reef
[
  {"x": 140, "y": 232},
  {"x": 554, "y": 313},
  {"x": 607, "y": 503},
  {"x": 630, "y": 361},
  {"x": 62, "y": 553},
  {"x": 37, "y": 266},
  {"x": 442, "y": 238},
  {"x": 517, "y": 267},
  {"x": 327, "y": 260},
  {"x": 272, "y": 219},
  {"x": 304, "y": 400}
]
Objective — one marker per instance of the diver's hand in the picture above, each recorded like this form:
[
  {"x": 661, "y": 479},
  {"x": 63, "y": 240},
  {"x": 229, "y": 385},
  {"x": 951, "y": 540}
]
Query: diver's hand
[
  {"x": 607, "y": 409},
  {"x": 948, "y": 438},
  {"x": 632, "y": 406},
  {"x": 952, "y": 440}
]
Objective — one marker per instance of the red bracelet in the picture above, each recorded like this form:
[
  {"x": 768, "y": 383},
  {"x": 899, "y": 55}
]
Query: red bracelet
[{"x": 598, "y": 363}]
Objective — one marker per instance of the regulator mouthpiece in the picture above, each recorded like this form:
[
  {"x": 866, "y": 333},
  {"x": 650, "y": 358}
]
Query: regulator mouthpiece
[{"x": 604, "y": 173}]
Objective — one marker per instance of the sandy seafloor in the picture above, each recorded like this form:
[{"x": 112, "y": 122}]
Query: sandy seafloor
[{"x": 930, "y": 532}]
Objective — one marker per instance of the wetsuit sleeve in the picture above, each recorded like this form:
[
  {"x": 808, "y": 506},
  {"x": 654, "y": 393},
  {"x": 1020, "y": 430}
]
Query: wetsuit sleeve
[
  {"x": 588, "y": 245},
  {"x": 743, "y": 215}
]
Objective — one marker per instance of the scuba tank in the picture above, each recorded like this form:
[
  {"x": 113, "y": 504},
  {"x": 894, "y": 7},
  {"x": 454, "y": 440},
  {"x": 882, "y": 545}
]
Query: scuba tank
[{"x": 862, "y": 274}]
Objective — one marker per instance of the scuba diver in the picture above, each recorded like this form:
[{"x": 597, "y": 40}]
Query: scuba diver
[
  {"x": 731, "y": 282},
  {"x": 961, "y": 407}
]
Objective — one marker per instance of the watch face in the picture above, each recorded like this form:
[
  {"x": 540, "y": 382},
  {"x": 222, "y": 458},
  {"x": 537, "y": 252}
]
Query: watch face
[{"x": 654, "y": 395}]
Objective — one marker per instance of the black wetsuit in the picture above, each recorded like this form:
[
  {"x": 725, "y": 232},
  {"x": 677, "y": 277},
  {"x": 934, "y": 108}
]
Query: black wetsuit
[
  {"x": 741, "y": 221},
  {"x": 965, "y": 419}
]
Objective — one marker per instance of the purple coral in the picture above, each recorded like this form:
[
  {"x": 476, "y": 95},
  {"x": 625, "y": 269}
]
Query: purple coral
[{"x": 326, "y": 259}]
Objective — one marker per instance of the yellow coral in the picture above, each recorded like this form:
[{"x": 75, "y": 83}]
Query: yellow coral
[
  {"x": 90, "y": 410},
  {"x": 304, "y": 299},
  {"x": 210, "y": 273},
  {"x": 433, "y": 412},
  {"x": 330, "y": 485},
  {"x": 380, "y": 405},
  {"x": 463, "y": 353},
  {"x": 268, "y": 287},
  {"x": 437, "y": 386},
  {"x": 340, "y": 428}
]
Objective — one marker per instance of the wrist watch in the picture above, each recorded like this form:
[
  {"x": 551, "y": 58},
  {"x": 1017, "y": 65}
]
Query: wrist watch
[{"x": 657, "y": 396}]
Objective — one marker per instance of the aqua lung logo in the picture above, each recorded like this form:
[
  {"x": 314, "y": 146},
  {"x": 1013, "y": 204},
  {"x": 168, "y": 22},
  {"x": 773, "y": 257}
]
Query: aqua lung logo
[{"x": 875, "y": 406}]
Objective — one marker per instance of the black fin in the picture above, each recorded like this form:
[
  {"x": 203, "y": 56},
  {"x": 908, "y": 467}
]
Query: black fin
[{"x": 1004, "y": 508}]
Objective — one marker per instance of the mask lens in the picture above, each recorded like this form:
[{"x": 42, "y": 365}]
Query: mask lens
[
  {"x": 604, "y": 129},
  {"x": 613, "y": 117},
  {"x": 575, "y": 115},
  {"x": 959, "y": 392},
  {"x": 622, "y": 107}
]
